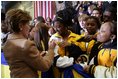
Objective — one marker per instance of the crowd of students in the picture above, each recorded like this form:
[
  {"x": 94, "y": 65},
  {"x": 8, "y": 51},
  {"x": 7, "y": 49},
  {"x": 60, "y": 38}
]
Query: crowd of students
[{"x": 77, "y": 43}]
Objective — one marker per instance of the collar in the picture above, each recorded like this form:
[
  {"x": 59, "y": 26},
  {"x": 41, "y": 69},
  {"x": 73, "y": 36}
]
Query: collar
[{"x": 112, "y": 45}]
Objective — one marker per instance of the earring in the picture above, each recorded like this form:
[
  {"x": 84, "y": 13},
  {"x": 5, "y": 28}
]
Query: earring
[{"x": 111, "y": 40}]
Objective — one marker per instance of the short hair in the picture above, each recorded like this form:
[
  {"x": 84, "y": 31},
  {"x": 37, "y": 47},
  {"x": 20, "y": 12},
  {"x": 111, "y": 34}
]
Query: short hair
[{"x": 17, "y": 16}]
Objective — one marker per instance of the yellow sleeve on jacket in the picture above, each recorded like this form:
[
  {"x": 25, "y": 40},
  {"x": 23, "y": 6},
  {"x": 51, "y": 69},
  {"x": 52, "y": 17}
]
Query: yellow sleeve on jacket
[{"x": 106, "y": 57}]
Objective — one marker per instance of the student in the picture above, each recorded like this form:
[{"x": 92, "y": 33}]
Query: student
[
  {"x": 110, "y": 15},
  {"x": 67, "y": 48},
  {"x": 81, "y": 20},
  {"x": 23, "y": 57},
  {"x": 92, "y": 26},
  {"x": 97, "y": 13},
  {"x": 105, "y": 61}
]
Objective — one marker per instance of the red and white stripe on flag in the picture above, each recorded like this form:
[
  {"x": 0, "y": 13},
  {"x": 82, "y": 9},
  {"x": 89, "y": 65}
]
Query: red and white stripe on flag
[{"x": 44, "y": 8}]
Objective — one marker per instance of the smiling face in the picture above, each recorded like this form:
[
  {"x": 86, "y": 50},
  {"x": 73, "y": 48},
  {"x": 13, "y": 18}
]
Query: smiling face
[
  {"x": 59, "y": 27},
  {"x": 104, "y": 33}
]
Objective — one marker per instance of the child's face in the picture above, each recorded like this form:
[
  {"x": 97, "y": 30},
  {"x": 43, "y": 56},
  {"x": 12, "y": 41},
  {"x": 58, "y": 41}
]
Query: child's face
[
  {"x": 96, "y": 13},
  {"x": 59, "y": 27},
  {"x": 82, "y": 23},
  {"x": 91, "y": 26}
]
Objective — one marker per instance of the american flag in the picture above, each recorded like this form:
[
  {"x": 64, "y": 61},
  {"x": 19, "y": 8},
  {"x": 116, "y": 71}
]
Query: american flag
[{"x": 44, "y": 8}]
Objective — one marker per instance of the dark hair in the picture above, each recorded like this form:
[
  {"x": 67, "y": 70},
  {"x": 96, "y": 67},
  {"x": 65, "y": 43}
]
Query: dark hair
[
  {"x": 17, "y": 16},
  {"x": 66, "y": 16},
  {"x": 60, "y": 2},
  {"x": 111, "y": 9},
  {"x": 40, "y": 19},
  {"x": 98, "y": 9},
  {"x": 96, "y": 20},
  {"x": 41, "y": 35},
  {"x": 113, "y": 12},
  {"x": 57, "y": 18}
]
